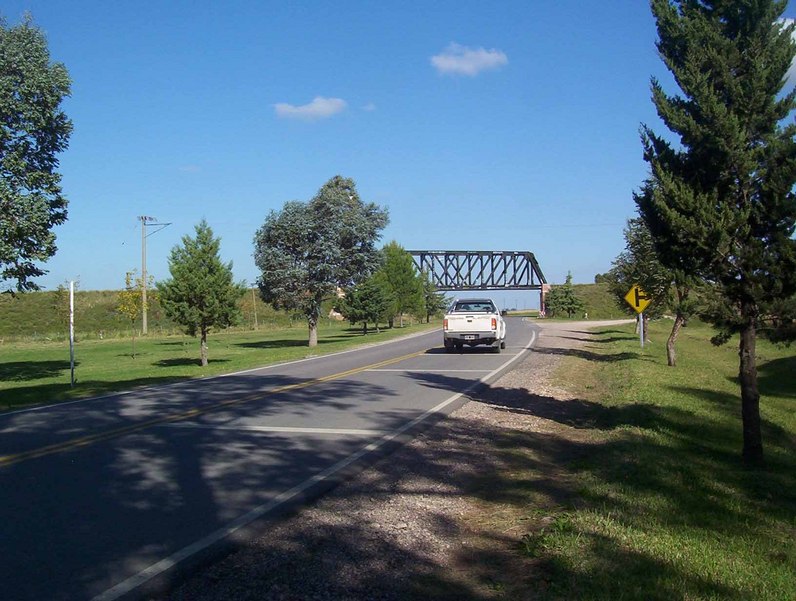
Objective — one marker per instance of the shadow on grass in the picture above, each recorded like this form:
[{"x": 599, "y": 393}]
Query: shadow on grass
[
  {"x": 590, "y": 356},
  {"x": 778, "y": 377},
  {"x": 289, "y": 343},
  {"x": 529, "y": 473},
  {"x": 183, "y": 361},
  {"x": 22, "y": 371}
]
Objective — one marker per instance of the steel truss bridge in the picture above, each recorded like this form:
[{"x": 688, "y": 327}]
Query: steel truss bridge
[{"x": 481, "y": 270}]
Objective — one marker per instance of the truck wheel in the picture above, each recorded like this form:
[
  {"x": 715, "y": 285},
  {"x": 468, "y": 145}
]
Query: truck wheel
[
  {"x": 502, "y": 344},
  {"x": 448, "y": 347},
  {"x": 496, "y": 348}
]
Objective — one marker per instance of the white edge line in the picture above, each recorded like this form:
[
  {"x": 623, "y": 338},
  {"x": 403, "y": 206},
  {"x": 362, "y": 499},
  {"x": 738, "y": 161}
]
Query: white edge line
[
  {"x": 145, "y": 575},
  {"x": 216, "y": 377}
]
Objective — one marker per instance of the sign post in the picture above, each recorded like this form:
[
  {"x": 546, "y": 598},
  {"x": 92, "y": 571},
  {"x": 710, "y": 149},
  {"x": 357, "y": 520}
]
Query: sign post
[
  {"x": 638, "y": 299},
  {"x": 72, "y": 333}
]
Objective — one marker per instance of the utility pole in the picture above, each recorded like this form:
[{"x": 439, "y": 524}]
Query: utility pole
[
  {"x": 146, "y": 222},
  {"x": 254, "y": 306}
]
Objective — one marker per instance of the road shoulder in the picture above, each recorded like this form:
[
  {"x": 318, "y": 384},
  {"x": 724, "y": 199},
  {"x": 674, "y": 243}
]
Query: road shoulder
[{"x": 424, "y": 521}]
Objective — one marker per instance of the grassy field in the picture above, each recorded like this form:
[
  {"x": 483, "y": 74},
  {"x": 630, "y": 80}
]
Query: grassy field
[
  {"x": 45, "y": 316},
  {"x": 37, "y": 372},
  {"x": 652, "y": 500}
]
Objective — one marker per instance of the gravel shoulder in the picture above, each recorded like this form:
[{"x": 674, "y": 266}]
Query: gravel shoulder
[{"x": 440, "y": 518}]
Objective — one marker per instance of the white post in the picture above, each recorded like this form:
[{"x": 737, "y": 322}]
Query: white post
[
  {"x": 72, "y": 332},
  {"x": 641, "y": 328}
]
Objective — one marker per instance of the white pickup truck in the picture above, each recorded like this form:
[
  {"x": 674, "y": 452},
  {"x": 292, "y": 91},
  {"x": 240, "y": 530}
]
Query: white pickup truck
[{"x": 473, "y": 321}]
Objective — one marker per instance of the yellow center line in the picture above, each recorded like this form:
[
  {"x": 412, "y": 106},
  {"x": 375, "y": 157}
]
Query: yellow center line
[{"x": 90, "y": 439}]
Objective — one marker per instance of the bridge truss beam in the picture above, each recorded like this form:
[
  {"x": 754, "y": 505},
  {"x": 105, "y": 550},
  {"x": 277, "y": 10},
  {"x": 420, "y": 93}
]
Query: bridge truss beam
[{"x": 480, "y": 270}]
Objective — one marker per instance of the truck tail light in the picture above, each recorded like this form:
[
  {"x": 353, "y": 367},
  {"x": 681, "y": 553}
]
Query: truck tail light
[
  {"x": 444, "y": 324},
  {"x": 494, "y": 323}
]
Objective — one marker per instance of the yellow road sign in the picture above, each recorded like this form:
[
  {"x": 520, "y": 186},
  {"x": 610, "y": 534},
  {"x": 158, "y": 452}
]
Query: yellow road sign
[{"x": 637, "y": 298}]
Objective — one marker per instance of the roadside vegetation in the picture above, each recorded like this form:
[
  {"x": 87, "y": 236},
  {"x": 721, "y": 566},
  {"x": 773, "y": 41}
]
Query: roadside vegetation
[
  {"x": 638, "y": 490},
  {"x": 35, "y": 372}
]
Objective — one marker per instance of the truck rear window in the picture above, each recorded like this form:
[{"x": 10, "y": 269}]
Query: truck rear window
[{"x": 464, "y": 307}]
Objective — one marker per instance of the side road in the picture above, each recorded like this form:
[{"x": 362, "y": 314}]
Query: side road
[{"x": 417, "y": 524}]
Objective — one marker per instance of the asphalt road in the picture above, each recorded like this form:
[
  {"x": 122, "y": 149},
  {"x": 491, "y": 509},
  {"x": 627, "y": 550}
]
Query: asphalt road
[{"x": 101, "y": 498}]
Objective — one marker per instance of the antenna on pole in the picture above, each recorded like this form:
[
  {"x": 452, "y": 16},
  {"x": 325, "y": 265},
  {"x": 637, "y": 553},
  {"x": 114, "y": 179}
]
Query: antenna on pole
[{"x": 146, "y": 222}]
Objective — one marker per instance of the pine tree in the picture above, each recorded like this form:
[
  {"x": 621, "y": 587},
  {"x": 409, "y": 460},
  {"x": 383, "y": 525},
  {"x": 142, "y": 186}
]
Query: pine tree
[
  {"x": 201, "y": 294},
  {"x": 403, "y": 281},
  {"x": 562, "y": 300},
  {"x": 669, "y": 289},
  {"x": 720, "y": 204},
  {"x": 366, "y": 302},
  {"x": 434, "y": 302}
]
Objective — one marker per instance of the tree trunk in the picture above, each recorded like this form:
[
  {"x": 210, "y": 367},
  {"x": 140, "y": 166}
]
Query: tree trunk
[
  {"x": 313, "y": 326},
  {"x": 364, "y": 327},
  {"x": 203, "y": 348},
  {"x": 671, "y": 356},
  {"x": 750, "y": 396}
]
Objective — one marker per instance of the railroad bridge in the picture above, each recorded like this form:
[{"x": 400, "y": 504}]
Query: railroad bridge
[{"x": 482, "y": 270}]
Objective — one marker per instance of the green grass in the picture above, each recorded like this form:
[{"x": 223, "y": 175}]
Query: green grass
[
  {"x": 39, "y": 372},
  {"x": 661, "y": 506},
  {"x": 598, "y": 302},
  {"x": 45, "y": 316}
]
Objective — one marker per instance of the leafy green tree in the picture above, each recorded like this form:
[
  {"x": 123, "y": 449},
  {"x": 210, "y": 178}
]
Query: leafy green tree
[
  {"x": 562, "y": 300},
  {"x": 130, "y": 300},
  {"x": 719, "y": 203},
  {"x": 60, "y": 306},
  {"x": 308, "y": 251},
  {"x": 201, "y": 294},
  {"x": 434, "y": 303},
  {"x": 366, "y": 302},
  {"x": 403, "y": 281},
  {"x": 33, "y": 130},
  {"x": 669, "y": 289}
]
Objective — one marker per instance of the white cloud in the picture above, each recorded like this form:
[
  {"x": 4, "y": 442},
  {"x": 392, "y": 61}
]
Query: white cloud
[
  {"x": 189, "y": 168},
  {"x": 319, "y": 108},
  {"x": 461, "y": 60},
  {"x": 369, "y": 107}
]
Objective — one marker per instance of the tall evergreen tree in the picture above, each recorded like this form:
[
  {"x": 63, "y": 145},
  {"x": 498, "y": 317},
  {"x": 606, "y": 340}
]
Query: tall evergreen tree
[
  {"x": 434, "y": 302},
  {"x": 33, "y": 130},
  {"x": 720, "y": 204},
  {"x": 403, "y": 281},
  {"x": 669, "y": 289},
  {"x": 563, "y": 300},
  {"x": 307, "y": 251},
  {"x": 201, "y": 294},
  {"x": 366, "y": 302}
]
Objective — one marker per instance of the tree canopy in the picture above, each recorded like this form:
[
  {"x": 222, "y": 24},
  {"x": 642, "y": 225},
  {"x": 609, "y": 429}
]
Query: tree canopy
[
  {"x": 33, "y": 130},
  {"x": 563, "y": 300},
  {"x": 402, "y": 280},
  {"x": 368, "y": 301},
  {"x": 309, "y": 250},
  {"x": 719, "y": 203},
  {"x": 201, "y": 294}
]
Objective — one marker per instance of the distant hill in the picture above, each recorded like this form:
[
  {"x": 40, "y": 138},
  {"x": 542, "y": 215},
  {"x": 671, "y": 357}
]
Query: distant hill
[
  {"x": 37, "y": 315},
  {"x": 598, "y": 301}
]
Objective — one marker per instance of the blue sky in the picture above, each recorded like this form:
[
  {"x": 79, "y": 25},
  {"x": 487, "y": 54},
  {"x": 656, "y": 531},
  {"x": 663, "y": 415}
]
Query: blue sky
[{"x": 482, "y": 126}]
